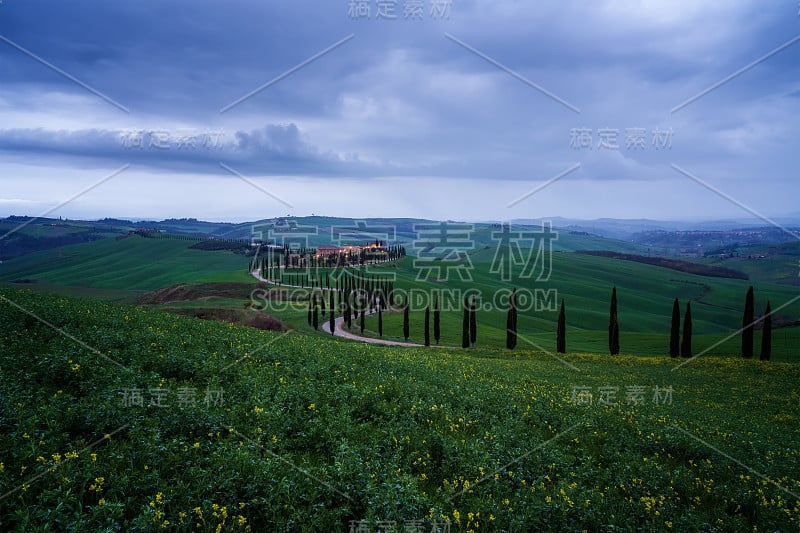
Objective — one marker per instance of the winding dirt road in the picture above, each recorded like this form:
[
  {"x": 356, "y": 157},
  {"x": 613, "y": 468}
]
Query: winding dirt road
[{"x": 338, "y": 329}]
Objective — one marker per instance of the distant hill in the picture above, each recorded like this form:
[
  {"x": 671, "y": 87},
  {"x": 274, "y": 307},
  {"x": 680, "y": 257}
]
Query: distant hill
[
  {"x": 23, "y": 235},
  {"x": 682, "y": 266}
]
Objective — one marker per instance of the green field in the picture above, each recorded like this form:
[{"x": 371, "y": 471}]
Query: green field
[
  {"x": 645, "y": 296},
  {"x": 781, "y": 262},
  {"x": 124, "y": 269},
  {"x": 317, "y": 433},
  {"x": 133, "y": 264},
  {"x": 312, "y": 433}
]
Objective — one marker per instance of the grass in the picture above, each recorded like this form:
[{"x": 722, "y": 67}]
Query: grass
[
  {"x": 112, "y": 269},
  {"x": 314, "y": 432},
  {"x": 782, "y": 262},
  {"x": 645, "y": 295},
  {"x": 134, "y": 264}
]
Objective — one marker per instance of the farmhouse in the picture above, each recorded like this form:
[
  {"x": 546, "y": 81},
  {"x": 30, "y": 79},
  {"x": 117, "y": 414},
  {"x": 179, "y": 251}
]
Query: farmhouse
[{"x": 352, "y": 254}]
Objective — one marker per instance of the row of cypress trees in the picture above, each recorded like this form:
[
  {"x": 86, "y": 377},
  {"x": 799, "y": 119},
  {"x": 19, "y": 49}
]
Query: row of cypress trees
[
  {"x": 307, "y": 259},
  {"x": 682, "y": 345},
  {"x": 748, "y": 324},
  {"x": 511, "y": 325},
  {"x": 680, "y": 342},
  {"x": 437, "y": 325}
]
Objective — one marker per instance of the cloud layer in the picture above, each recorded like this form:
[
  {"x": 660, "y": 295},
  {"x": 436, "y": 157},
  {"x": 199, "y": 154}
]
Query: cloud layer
[{"x": 481, "y": 103}]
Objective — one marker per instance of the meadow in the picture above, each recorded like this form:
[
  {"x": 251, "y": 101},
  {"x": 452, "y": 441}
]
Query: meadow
[
  {"x": 133, "y": 264},
  {"x": 136, "y": 419},
  {"x": 124, "y": 270},
  {"x": 584, "y": 283},
  {"x": 121, "y": 417}
]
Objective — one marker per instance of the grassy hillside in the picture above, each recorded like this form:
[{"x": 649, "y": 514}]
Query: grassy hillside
[
  {"x": 304, "y": 433},
  {"x": 773, "y": 263},
  {"x": 645, "y": 296},
  {"x": 133, "y": 264},
  {"x": 22, "y": 235},
  {"x": 116, "y": 268}
]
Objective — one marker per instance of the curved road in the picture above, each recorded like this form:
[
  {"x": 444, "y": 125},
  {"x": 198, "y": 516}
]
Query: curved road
[{"x": 338, "y": 329}]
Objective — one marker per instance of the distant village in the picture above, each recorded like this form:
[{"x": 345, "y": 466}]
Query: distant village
[{"x": 331, "y": 255}]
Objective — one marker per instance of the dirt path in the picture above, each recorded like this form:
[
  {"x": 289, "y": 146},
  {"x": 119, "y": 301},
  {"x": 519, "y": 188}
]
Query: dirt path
[{"x": 338, "y": 329}]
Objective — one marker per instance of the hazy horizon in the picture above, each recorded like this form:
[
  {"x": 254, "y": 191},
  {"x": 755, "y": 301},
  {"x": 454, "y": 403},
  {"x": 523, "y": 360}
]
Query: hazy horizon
[{"x": 751, "y": 222}]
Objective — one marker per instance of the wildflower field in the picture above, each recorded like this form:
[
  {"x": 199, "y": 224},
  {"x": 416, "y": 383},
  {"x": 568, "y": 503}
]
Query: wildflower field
[{"x": 135, "y": 419}]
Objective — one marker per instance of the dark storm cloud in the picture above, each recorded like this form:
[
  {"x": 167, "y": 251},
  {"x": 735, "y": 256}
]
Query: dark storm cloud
[
  {"x": 276, "y": 148},
  {"x": 402, "y": 99}
]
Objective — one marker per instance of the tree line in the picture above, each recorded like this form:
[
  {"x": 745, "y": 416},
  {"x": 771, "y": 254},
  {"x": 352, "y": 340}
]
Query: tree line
[
  {"x": 680, "y": 338},
  {"x": 301, "y": 267}
]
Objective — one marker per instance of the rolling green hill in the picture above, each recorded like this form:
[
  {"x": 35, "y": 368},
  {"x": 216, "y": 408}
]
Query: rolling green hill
[
  {"x": 289, "y": 432},
  {"x": 122, "y": 269},
  {"x": 132, "y": 264},
  {"x": 645, "y": 295}
]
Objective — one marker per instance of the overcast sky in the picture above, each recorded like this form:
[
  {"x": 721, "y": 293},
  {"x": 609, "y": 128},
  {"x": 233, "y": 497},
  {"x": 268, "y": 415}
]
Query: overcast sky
[{"x": 466, "y": 109}]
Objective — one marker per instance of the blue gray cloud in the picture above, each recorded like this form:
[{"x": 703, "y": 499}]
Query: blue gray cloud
[{"x": 402, "y": 99}]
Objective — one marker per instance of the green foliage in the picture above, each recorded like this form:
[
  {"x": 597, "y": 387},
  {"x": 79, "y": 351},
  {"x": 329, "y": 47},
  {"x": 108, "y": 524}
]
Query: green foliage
[
  {"x": 613, "y": 325},
  {"x": 510, "y": 333},
  {"x": 465, "y": 326},
  {"x": 314, "y": 432},
  {"x": 406, "y": 325},
  {"x": 561, "y": 331},
  {"x": 473, "y": 323},
  {"x": 427, "y": 334},
  {"x": 437, "y": 323}
]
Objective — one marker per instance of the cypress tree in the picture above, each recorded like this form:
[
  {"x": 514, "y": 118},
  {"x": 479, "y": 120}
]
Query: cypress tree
[
  {"x": 309, "y": 312},
  {"x": 766, "y": 334},
  {"x": 686, "y": 342},
  {"x": 380, "y": 320},
  {"x": 674, "y": 330},
  {"x": 427, "y": 326},
  {"x": 747, "y": 325},
  {"x": 465, "y": 325},
  {"x": 347, "y": 310},
  {"x": 333, "y": 314},
  {"x": 613, "y": 325},
  {"x": 361, "y": 321},
  {"x": 316, "y": 313},
  {"x": 473, "y": 323},
  {"x": 405, "y": 319},
  {"x": 436, "y": 323},
  {"x": 561, "y": 331}
]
